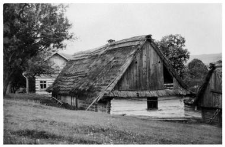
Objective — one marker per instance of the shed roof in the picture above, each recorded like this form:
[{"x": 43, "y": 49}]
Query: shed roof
[
  {"x": 95, "y": 73},
  {"x": 213, "y": 67},
  {"x": 66, "y": 56}
]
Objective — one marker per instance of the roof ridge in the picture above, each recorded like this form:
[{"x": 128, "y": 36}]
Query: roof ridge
[
  {"x": 55, "y": 54},
  {"x": 108, "y": 46}
]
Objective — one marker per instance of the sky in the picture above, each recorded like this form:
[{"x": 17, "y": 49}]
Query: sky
[{"x": 94, "y": 24}]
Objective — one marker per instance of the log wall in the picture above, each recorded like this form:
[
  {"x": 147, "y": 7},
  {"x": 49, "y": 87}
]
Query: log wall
[
  {"x": 49, "y": 81},
  {"x": 101, "y": 106},
  {"x": 168, "y": 107}
]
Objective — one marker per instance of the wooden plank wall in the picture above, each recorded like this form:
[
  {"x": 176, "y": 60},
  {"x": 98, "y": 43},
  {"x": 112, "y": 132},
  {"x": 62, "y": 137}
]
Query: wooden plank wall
[
  {"x": 216, "y": 80},
  {"x": 213, "y": 94},
  {"x": 144, "y": 73}
]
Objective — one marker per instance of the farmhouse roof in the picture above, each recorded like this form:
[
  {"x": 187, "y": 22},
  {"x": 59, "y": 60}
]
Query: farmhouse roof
[
  {"x": 96, "y": 72},
  {"x": 203, "y": 87},
  {"x": 66, "y": 56},
  {"x": 63, "y": 55}
]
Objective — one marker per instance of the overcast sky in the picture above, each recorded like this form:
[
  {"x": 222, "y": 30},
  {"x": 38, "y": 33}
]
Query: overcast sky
[{"x": 94, "y": 24}]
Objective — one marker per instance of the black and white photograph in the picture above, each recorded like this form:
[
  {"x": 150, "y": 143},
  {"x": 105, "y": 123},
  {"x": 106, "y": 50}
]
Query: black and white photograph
[{"x": 111, "y": 73}]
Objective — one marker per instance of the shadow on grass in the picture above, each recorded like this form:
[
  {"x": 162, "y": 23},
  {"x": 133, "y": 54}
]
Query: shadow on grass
[
  {"x": 83, "y": 135},
  {"x": 36, "y": 134},
  {"x": 42, "y": 137}
]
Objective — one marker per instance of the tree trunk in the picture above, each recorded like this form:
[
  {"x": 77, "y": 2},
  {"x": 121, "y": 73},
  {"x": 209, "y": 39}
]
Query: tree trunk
[
  {"x": 9, "y": 88},
  {"x": 27, "y": 84},
  {"x": 6, "y": 82},
  {"x": 27, "y": 81}
]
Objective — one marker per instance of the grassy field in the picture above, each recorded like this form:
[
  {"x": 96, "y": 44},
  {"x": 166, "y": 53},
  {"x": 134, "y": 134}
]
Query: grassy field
[{"x": 28, "y": 122}]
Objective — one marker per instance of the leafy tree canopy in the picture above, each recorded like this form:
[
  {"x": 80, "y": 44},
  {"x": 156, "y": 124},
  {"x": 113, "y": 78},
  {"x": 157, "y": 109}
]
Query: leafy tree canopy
[
  {"x": 38, "y": 65},
  {"x": 172, "y": 46},
  {"x": 195, "y": 74},
  {"x": 28, "y": 30},
  {"x": 197, "y": 69}
]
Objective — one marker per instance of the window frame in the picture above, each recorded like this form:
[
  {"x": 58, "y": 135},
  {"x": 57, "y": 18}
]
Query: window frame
[{"x": 43, "y": 84}]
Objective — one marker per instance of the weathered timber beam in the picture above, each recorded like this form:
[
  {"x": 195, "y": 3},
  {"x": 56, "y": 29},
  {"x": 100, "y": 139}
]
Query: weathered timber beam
[
  {"x": 218, "y": 92},
  {"x": 143, "y": 94}
]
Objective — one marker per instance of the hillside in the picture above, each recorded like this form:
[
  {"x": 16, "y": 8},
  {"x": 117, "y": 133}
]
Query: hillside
[
  {"x": 26, "y": 122},
  {"x": 206, "y": 58}
]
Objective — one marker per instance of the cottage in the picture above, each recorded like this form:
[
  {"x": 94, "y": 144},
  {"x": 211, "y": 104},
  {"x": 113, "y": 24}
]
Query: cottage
[
  {"x": 42, "y": 82},
  {"x": 209, "y": 97},
  {"x": 128, "y": 71}
]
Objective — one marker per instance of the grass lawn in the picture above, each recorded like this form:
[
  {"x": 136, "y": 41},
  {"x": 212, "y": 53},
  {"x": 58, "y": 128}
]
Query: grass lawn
[{"x": 27, "y": 122}]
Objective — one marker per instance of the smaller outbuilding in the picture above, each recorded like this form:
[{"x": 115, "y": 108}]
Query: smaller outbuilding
[
  {"x": 209, "y": 97},
  {"x": 43, "y": 81}
]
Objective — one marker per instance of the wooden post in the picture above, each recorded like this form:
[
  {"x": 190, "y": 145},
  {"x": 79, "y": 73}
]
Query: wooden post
[
  {"x": 96, "y": 107},
  {"x": 108, "y": 107},
  {"x": 27, "y": 82},
  {"x": 76, "y": 102},
  {"x": 9, "y": 88}
]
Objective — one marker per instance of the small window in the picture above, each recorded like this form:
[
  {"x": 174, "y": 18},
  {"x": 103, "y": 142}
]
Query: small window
[
  {"x": 152, "y": 103},
  {"x": 43, "y": 84}
]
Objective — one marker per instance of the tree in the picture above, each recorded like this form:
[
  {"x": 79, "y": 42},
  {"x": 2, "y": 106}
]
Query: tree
[
  {"x": 197, "y": 69},
  {"x": 28, "y": 30},
  {"x": 195, "y": 74},
  {"x": 172, "y": 46},
  {"x": 38, "y": 65}
]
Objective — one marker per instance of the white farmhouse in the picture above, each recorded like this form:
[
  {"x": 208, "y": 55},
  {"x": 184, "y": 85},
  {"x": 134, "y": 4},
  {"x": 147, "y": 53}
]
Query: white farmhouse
[{"x": 43, "y": 81}]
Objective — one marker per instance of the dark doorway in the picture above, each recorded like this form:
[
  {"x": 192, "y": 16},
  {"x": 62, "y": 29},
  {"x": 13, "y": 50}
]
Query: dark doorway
[{"x": 152, "y": 103}]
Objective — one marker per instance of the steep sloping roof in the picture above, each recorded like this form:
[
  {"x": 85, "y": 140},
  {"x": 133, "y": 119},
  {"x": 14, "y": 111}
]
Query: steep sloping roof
[
  {"x": 95, "y": 73},
  {"x": 202, "y": 89},
  {"x": 63, "y": 55},
  {"x": 66, "y": 56}
]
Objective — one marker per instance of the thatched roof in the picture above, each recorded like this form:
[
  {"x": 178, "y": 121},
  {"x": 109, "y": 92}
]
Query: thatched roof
[
  {"x": 203, "y": 87},
  {"x": 95, "y": 73}
]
